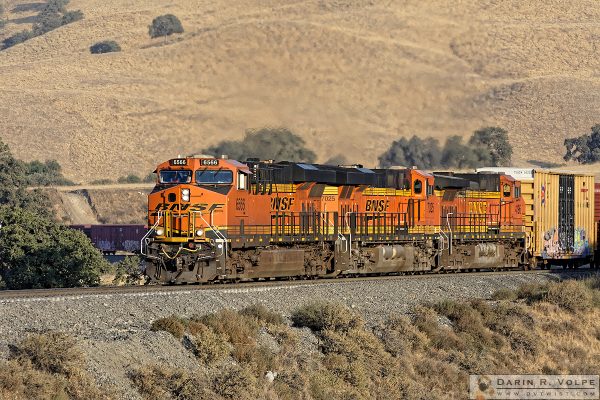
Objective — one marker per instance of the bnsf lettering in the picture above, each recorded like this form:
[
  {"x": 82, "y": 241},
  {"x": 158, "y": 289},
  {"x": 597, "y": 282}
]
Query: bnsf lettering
[
  {"x": 188, "y": 207},
  {"x": 477, "y": 207},
  {"x": 377, "y": 205},
  {"x": 282, "y": 203}
]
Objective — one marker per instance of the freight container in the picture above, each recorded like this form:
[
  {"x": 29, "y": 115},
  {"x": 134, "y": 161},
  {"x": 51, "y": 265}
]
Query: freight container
[
  {"x": 559, "y": 214},
  {"x": 112, "y": 238}
]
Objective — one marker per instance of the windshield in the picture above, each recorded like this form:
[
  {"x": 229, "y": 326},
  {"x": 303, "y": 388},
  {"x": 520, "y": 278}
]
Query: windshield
[
  {"x": 182, "y": 176},
  {"x": 213, "y": 176}
]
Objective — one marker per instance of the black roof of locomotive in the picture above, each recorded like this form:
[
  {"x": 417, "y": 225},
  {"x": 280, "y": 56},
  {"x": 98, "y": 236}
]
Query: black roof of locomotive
[
  {"x": 485, "y": 181},
  {"x": 292, "y": 172}
]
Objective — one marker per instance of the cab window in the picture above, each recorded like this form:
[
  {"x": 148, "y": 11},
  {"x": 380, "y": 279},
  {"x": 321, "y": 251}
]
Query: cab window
[
  {"x": 418, "y": 186},
  {"x": 517, "y": 192},
  {"x": 214, "y": 176},
  {"x": 175, "y": 176},
  {"x": 429, "y": 189},
  {"x": 506, "y": 190},
  {"x": 241, "y": 181}
]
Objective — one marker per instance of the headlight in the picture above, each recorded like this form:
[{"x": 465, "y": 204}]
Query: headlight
[
  {"x": 185, "y": 194},
  {"x": 199, "y": 232},
  {"x": 159, "y": 231}
]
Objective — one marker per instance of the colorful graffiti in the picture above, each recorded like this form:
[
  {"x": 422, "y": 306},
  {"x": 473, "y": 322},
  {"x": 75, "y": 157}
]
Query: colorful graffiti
[
  {"x": 552, "y": 247},
  {"x": 581, "y": 246}
]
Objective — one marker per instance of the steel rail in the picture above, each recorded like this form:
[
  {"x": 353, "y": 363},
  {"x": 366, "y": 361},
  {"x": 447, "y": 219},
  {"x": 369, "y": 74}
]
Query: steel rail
[{"x": 271, "y": 284}]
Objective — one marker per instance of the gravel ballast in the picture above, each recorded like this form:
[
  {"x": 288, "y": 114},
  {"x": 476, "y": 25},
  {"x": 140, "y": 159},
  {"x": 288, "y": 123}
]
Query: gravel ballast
[{"x": 114, "y": 329}]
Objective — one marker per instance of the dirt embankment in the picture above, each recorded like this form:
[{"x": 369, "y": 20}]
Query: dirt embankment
[
  {"x": 107, "y": 204},
  {"x": 456, "y": 337}
]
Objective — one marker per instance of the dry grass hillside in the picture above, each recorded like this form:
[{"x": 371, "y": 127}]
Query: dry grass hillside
[{"x": 347, "y": 75}]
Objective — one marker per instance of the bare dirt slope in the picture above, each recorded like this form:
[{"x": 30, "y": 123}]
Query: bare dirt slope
[
  {"x": 78, "y": 208},
  {"x": 347, "y": 75}
]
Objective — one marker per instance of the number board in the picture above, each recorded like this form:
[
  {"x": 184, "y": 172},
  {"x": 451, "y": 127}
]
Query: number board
[
  {"x": 178, "y": 161},
  {"x": 212, "y": 162}
]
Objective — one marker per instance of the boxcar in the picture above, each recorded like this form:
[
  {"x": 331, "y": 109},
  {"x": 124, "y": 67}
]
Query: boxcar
[
  {"x": 112, "y": 238},
  {"x": 560, "y": 215}
]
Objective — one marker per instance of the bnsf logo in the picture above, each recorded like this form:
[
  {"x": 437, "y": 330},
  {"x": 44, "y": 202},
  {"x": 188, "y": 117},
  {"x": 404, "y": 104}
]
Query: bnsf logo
[
  {"x": 477, "y": 207},
  {"x": 282, "y": 203},
  {"x": 377, "y": 205},
  {"x": 188, "y": 207}
]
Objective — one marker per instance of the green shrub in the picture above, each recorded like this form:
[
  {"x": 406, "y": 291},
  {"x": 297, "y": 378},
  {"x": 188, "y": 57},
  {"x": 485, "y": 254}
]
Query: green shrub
[
  {"x": 106, "y": 46},
  {"x": 319, "y": 316},
  {"x": 131, "y": 178},
  {"x": 161, "y": 382},
  {"x": 504, "y": 294},
  {"x": 129, "y": 271},
  {"x": 165, "y": 25},
  {"x": 265, "y": 144},
  {"x": 52, "y": 352},
  {"x": 486, "y": 146},
  {"x": 235, "y": 382},
  {"x": 262, "y": 314},
  {"x": 209, "y": 347},
  {"x": 571, "y": 295},
  {"x": 533, "y": 292},
  {"x": 16, "y": 39},
  {"x": 400, "y": 336},
  {"x": 72, "y": 16},
  {"x": 45, "y": 173},
  {"x": 19, "y": 380},
  {"x": 172, "y": 324},
  {"x": 150, "y": 178},
  {"x": 239, "y": 330},
  {"x": 36, "y": 252}
]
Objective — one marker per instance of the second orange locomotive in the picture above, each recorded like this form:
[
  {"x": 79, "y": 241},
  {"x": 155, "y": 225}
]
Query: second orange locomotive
[{"x": 223, "y": 220}]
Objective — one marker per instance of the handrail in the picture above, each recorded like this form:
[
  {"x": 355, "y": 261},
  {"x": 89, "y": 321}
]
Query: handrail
[
  {"x": 340, "y": 236},
  {"x": 144, "y": 239},
  {"x": 449, "y": 230},
  {"x": 216, "y": 231}
]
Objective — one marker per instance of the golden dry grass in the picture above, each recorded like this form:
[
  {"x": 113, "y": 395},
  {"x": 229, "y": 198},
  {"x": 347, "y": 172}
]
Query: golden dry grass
[
  {"x": 351, "y": 75},
  {"x": 402, "y": 357}
]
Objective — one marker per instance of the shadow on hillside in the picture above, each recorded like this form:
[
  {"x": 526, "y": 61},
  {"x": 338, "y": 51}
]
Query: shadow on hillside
[
  {"x": 26, "y": 7},
  {"x": 25, "y": 20},
  {"x": 545, "y": 164}
]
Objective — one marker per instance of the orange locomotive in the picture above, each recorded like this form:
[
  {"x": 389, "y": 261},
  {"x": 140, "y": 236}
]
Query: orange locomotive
[{"x": 223, "y": 220}]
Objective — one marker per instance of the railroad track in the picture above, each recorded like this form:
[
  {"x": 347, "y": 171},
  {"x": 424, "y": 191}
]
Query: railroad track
[{"x": 8, "y": 295}]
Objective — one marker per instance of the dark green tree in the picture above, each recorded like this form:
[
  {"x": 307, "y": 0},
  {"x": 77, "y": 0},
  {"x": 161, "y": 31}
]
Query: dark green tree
[
  {"x": 106, "y": 46},
  {"x": 36, "y": 252},
  {"x": 17, "y": 38},
  {"x": 455, "y": 154},
  {"x": 72, "y": 16},
  {"x": 584, "y": 149},
  {"x": 492, "y": 146},
  {"x": 129, "y": 271},
  {"x": 131, "y": 178},
  {"x": 45, "y": 173},
  {"x": 165, "y": 25},
  {"x": 423, "y": 153},
  {"x": 279, "y": 144}
]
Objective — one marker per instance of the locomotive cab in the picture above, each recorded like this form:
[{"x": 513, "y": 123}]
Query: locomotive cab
[{"x": 189, "y": 200}]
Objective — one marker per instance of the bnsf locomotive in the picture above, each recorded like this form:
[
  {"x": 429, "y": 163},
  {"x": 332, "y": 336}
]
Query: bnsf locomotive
[{"x": 222, "y": 220}]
